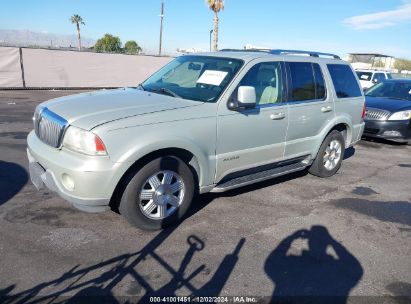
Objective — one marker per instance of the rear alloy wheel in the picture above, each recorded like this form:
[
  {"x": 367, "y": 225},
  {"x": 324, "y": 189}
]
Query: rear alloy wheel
[
  {"x": 159, "y": 194},
  {"x": 330, "y": 155}
]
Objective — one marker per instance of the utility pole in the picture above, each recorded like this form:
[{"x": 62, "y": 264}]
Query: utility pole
[
  {"x": 211, "y": 32},
  {"x": 161, "y": 28}
]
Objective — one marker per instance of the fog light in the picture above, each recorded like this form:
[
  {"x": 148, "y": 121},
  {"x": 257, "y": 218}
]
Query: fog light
[
  {"x": 67, "y": 181},
  {"x": 392, "y": 133}
]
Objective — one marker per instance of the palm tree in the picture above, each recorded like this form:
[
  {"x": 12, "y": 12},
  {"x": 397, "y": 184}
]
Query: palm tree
[
  {"x": 216, "y": 6},
  {"x": 77, "y": 20}
]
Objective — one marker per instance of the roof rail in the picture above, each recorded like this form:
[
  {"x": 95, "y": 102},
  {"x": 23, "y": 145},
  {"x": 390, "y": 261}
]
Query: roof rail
[
  {"x": 284, "y": 52},
  {"x": 245, "y": 50},
  {"x": 297, "y": 52}
]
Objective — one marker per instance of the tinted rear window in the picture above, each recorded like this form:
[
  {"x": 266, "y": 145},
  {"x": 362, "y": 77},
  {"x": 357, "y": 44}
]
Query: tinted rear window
[
  {"x": 345, "y": 83},
  {"x": 307, "y": 81}
]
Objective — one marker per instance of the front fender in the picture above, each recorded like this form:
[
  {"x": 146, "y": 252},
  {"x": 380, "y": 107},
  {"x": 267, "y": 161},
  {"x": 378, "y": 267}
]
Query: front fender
[{"x": 205, "y": 162}]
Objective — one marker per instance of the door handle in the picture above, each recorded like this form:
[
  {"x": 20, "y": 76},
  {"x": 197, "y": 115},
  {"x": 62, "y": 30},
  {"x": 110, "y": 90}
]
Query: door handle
[
  {"x": 277, "y": 116},
  {"x": 326, "y": 109}
]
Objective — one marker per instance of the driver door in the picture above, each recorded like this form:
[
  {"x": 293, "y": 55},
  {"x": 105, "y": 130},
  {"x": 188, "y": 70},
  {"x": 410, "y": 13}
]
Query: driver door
[{"x": 255, "y": 137}]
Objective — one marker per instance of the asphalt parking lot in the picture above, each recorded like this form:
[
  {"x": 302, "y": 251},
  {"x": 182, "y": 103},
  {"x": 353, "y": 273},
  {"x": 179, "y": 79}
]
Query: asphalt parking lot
[{"x": 346, "y": 235}]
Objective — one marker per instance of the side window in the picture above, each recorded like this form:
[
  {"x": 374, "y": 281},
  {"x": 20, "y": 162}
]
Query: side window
[
  {"x": 378, "y": 77},
  {"x": 302, "y": 81},
  {"x": 366, "y": 76},
  {"x": 267, "y": 79},
  {"x": 344, "y": 81},
  {"x": 320, "y": 92}
]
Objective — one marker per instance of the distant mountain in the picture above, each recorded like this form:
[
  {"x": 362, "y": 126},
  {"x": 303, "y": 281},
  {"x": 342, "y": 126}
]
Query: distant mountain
[{"x": 30, "y": 38}]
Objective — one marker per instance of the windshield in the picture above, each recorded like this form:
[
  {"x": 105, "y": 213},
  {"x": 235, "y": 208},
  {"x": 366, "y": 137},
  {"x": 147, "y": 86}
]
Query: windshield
[
  {"x": 197, "y": 78},
  {"x": 390, "y": 89},
  {"x": 364, "y": 75}
]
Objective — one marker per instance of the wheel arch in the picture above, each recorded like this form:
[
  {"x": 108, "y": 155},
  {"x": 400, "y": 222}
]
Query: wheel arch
[
  {"x": 185, "y": 155},
  {"x": 342, "y": 124},
  {"x": 345, "y": 130}
]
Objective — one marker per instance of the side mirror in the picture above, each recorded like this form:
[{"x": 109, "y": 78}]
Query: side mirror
[
  {"x": 246, "y": 97},
  {"x": 375, "y": 80}
]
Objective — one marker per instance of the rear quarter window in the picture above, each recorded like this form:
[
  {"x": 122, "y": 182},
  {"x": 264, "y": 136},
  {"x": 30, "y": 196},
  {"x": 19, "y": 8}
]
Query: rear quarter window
[{"x": 345, "y": 83}]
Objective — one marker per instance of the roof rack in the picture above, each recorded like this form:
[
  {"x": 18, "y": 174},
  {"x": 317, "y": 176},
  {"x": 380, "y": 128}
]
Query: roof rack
[
  {"x": 379, "y": 69},
  {"x": 285, "y": 52},
  {"x": 246, "y": 50}
]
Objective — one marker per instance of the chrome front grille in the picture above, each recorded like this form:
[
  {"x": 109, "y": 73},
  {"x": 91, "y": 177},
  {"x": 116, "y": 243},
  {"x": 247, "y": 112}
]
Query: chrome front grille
[
  {"x": 49, "y": 127},
  {"x": 376, "y": 114}
]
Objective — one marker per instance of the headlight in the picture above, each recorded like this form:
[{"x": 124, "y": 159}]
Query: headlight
[
  {"x": 403, "y": 115},
  {"x": 83, "y": 141}
]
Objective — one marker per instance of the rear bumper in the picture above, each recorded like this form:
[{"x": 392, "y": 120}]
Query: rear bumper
[
  {"x": 358, "y": 130},
  {"x": 399, "y": 131}
]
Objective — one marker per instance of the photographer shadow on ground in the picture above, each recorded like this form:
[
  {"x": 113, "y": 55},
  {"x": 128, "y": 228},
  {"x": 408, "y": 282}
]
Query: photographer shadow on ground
[
  {"x": 326, "y": 271},
  {"x": 13, "y": 178}
]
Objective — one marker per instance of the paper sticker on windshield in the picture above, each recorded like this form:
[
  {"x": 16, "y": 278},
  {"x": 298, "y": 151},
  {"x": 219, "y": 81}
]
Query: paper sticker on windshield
[
  {"x": 212, "y": 77},
  {"x": 365, "y": 77}
]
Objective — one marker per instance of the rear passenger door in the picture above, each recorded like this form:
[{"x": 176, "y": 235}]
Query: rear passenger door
[{"x": 310, "y": 108}]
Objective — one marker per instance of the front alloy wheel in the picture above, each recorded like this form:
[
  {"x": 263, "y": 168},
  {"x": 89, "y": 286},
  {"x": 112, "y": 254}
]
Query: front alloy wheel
[
  {"x": 162, "y": 194},
  {"x": 158, "y": 194}
]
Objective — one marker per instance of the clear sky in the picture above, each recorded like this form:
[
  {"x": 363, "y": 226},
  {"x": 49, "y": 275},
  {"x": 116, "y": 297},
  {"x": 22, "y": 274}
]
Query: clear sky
[{"x": 323, "y": 25}]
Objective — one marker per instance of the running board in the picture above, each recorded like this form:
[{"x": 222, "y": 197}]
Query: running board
[{"x": 258, "y": 177}]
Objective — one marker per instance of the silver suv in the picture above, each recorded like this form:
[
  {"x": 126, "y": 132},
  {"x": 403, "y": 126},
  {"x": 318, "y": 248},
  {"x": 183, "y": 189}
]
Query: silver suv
[{"x": 203, "y": 123}]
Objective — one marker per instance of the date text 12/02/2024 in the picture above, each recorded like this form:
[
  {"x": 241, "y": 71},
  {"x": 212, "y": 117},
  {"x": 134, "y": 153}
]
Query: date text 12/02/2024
[{"x": 203, "y": 299}]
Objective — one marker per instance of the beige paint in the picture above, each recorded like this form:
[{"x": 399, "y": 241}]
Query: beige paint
[{"x": 52, "y": 68}]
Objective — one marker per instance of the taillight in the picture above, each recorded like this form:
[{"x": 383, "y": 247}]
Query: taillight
[{"x": 363, "y": 112}]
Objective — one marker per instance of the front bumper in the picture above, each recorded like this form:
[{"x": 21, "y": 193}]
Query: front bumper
[
  {"x": 399, "y": 131},
  {"x": 86, "y": 182}
]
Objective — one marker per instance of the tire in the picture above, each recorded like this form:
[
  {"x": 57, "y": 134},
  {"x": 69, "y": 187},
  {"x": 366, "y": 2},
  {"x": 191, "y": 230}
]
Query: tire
[
  {"x": 320, "y": 167},
  {"x": 146, "y": 200}
]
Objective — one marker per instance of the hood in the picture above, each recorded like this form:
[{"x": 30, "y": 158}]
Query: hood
[
  {"x": 88, "y": 110},
  {"x": 392, "y": 105}
]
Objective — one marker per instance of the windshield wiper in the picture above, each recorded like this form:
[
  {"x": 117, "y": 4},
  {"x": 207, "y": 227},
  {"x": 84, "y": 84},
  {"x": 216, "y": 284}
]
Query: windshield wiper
[{"x": 169, "y": 92}]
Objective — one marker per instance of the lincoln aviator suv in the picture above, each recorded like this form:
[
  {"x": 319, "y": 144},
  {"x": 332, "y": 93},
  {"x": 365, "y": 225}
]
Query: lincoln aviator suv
[{"x": 208, "y": 122}]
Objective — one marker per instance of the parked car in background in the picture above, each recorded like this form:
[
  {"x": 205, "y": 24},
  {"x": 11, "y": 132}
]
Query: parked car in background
[
  {"x": 388, "y": 110},
  {"x": 370, "y": 77},
  {"x": 203, "y": 123}
]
